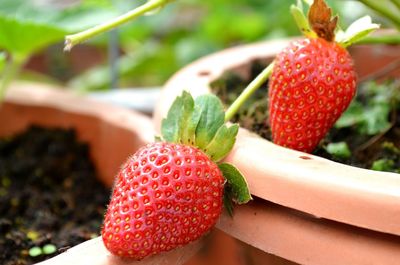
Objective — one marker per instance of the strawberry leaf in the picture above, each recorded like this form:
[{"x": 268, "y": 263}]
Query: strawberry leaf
[
  {"x": 339, "y": 150},
  {"x": 236, "y": 180},
  {"x": 373, "y": 116},
  {"x": 179, "y": 115},
  {"x": 210, "y": 110},
  {"x": 199, "y": 123},
  {"x": 3, "y": 60},
  {"x": 308, "y": 2},
  {"x": 301, "y": 20},
  {"x": 189, "y": 135},
  {"x": 23, "y": 38},
  {"x": 228, "y": 199},
  {"x": 222, "y": 143},
  {"x": 356, "y": 31},
  {"x": 383, "y": 164}
]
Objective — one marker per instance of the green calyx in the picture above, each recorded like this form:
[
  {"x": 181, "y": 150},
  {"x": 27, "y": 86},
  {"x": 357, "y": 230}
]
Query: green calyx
[
  {"x": 200, "y": 122},
  {"x": 356, "y": 31},
  {"x": 309, "y": 24}
]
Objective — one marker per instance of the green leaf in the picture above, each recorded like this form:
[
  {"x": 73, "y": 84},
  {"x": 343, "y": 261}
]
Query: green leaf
[
  {"x": 376, "y": 119},
  {"x": 236, "y": 180},
  {"x": 199, "y": 123},
  {"x": 24, "y": 38},
  {"x": 339, "y": 150},
  {"x": 49, "y": 249},
  {"x": 69, "y": 18},
  {"x": 228, "y": 199},
  {"x": 391, "y": 147},
  {"x": 301, "y": 20},
  {"x": 190, "y": 136},
  {"x": 178, "y": 117},
  {"x": 353, "y": 115},
  {"x": 368, "y": 120},
  {"x": 370, "y": 113},
  {"x": 3, "y": 60},
  {"x": 35, "y": 251},
  {"x": 356, "y": 31},
  {"x": 308, "y": 2},
  {"x": 383, "y": 165},
  {"x": 212, "y": 117},
  {"x": 222, "y": 143}
]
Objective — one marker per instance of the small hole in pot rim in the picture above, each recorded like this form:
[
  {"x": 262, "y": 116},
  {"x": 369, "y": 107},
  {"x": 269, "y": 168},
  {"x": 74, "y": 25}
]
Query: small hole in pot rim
[
  {"x": 305, "y": 157},
  {"x": 204, "y": 73}
]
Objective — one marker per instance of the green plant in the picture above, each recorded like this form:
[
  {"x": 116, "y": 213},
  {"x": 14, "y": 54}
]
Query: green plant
[
  {"x": 310, "y": 77},
  {"x": 14, "y": 36},
  {"x": 26, "y": 29},
  {"x": 146, "y": 8}
]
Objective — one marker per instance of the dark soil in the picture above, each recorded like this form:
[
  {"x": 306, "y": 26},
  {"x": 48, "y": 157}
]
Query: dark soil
[
  {"x": 365, "y": 149},
  {"x": 49, "y": 195}
]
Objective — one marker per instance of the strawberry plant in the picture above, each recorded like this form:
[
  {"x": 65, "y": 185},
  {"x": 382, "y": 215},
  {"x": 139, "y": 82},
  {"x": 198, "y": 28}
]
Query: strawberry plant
[
  {"x": 27, "y": 28},
  {"x": 14, "y": 35},
  {"x": 22, "y": 23},
  {"x": 312, "y": 80},
  {"x": 171, "y": 192}
]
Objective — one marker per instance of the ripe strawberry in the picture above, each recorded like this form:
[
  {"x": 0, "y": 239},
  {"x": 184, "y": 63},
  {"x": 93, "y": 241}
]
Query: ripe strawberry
[
  {"x": 170, "y": 193},
  {"x": 312, "y": 83},
  {"x": 165, "y": 196},
  {"x": 313, "y": 80}
]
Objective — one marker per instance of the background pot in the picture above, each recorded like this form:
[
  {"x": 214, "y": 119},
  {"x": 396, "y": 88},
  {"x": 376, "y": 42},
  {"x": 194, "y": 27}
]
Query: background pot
[
  {"x": 112, "y": 133},
  {"x": 310, "y": 210}
]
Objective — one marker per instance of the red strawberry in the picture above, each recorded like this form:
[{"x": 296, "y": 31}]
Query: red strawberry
[
  {"x": 312, "y": 83},
  {"x": 170, "y": 193},
  {"x": 166, "y": 195}
]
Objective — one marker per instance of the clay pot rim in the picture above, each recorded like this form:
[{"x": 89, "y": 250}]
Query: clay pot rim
[
  {"x": 274, "y": 229},
  {"x": 323, "y": 188}
]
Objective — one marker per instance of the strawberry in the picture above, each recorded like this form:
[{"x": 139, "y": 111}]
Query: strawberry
[
  {"x": 166, "y": 195},
  {"x": 312, "y": 83},
  {"x": 313, "y": 79},
  {"x": 170, "y": 193}
]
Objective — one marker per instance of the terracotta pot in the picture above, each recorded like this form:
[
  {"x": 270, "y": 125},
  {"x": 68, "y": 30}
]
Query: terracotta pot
[
  {"x": 308, "y": 209},
  {"x": 113, "y": 134}
]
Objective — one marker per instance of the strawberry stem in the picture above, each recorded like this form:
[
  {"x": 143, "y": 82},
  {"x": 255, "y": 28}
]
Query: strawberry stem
[
  {"x": 381, "y": 39},
  {"x": 396, "y": 3},
  {"x": 248, "y": 91},
  {"x": 14, "y": 66},
  {"x": 72, "y": 40}
]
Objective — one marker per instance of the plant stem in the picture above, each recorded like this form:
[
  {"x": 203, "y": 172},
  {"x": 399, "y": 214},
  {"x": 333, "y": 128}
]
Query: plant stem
[
  {"x": 248, "y": 91},
  {"x": 396, "y": 3},
  {"x": 383, "y": 10},
  {"x": 384, "y": 39},
  {"x": 72, "y": 40},
  {"x": 10, "y": 72}
]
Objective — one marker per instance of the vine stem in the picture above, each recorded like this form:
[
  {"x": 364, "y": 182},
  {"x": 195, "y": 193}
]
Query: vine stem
[
  {"x": 13, "y": 67},
  {"x": 248, "y": 91},
  {"x": 396, "y": 3},
  {"x": 72, "y": 40},
  {"x": 383, "y": 10},
  {"x": 381, "y": 39}
]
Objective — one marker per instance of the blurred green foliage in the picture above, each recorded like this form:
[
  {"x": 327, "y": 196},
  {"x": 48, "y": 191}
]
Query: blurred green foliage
[
  {"x": 154, "y": 47},
  {"x": 370, "y": 112}
]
